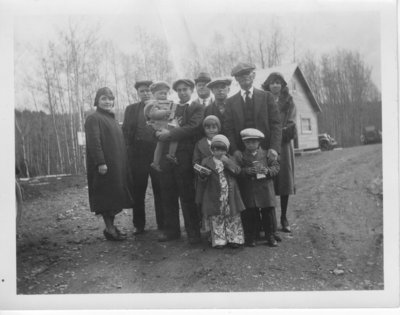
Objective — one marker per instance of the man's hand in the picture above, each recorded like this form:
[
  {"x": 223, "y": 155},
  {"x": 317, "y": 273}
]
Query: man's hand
[
  {"x": 102, "y": 169},
  {"x": 163, "y": 135},
  {"x": 272, "y": 155}
]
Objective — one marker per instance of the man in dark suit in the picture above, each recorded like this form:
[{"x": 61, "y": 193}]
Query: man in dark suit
[
  {"x": 141, "y": 143},
  {"x": 177, "y": 180},
  {"x": 252, "y": 108}
]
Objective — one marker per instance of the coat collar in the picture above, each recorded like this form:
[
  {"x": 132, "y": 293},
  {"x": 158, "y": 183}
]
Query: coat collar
[
  {"x": 204, "y": 147},
  {"x": 104, "y": 112}
]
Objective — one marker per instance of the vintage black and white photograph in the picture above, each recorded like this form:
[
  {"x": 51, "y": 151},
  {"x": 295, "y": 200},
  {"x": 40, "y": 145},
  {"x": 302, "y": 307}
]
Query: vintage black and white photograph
[{"x": 204, "y": 147}]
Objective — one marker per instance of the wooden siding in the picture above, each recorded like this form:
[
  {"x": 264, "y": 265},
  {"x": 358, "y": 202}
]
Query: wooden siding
[{"x": 306, "y": 140}]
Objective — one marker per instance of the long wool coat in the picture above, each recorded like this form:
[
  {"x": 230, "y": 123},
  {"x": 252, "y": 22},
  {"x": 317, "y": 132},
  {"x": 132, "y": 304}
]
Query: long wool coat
[
  {"x": 211, "y": 189},
  {"x": 258, "y": 193},
  {"x": 108, "y": 193},
  {"x": 284, "y": 181}
]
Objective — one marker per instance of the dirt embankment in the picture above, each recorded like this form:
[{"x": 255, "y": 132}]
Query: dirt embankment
[{"x": 336, "y": 244}]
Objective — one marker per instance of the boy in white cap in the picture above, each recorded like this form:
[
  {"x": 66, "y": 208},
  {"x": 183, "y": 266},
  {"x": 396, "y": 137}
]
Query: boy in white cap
[
  {"x": 221, "y": 202},
  {"x": 257, "y": 187},
  {"x": 160, "y": 111}
]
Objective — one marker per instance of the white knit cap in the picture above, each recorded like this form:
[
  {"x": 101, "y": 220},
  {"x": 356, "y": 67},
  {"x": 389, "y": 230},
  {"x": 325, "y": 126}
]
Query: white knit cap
[{"x": 221, "y": 139}]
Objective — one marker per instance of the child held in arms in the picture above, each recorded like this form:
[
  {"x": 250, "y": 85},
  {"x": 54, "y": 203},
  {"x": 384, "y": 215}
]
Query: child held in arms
[
  {"x": 160, "y": 113},
  {"x": 257, "y": 188},
  {"x": 221, "y": 202}
]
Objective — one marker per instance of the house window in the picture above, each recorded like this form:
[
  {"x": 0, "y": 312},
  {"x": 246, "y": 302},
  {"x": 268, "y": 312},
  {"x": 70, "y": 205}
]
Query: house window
[{"x": 306, "y": 125}]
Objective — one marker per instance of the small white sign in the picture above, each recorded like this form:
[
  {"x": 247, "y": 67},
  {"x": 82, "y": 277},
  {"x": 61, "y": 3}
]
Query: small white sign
[{"x": 81, "y": 138}]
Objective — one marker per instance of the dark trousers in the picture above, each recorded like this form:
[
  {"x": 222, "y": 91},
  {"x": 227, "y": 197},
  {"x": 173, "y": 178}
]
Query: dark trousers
[
  {"x": 250, "y": 220},
  {"x": 140, "y": 157},
  {"x": 177, "y": 183}
]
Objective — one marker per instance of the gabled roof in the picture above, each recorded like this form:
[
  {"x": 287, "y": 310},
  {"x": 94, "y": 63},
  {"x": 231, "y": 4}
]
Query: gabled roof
[{"x": 287, "y": 71}]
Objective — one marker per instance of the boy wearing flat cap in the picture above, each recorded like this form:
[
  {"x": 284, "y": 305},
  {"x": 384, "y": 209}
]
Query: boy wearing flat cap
[
  {"x": 252, "y": 108},
  {"x": 220, "y": 89},
  {"x": 141, "y": 143},
  {"x": 257, "y": 187},
  {"x": 177, "y": 180},
  {"x": 204, "y": 94}
]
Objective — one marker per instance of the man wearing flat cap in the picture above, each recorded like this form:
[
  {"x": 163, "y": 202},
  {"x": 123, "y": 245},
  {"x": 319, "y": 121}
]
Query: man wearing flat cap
[
  {"x": 141, "y": 143},
  {"x": 220, "y": 90},
  {"x": 204, "y": 94},
  {"x": 252, "y": 108},
  {"x": 177, "y": 178}
]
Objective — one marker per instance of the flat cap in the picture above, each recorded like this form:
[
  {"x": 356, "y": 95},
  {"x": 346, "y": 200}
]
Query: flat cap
[
  {"x": 203, "y": 77},
  {"x": 143, "y": 82},
  {"x": 156, "y": 86},
  {"x": 188, "y": 82},
  {"x": 251, "y": 133},
  {"x": 242, "y": 68},
  {"x": 214, "y": 82},
  {"x": 220, "y": 139}
]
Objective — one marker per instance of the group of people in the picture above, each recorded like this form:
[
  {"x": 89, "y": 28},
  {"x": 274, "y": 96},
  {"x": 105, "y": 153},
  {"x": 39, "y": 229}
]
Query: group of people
[{"x": 224, "y": 160}]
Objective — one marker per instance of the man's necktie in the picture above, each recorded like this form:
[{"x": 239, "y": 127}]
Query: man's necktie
[{"x": 248, "y": 99}]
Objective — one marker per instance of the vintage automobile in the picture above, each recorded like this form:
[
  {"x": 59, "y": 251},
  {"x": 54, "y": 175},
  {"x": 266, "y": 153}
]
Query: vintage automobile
[
  {"x": 371, "y": 134},
  {"x": 326, "y": 142}
]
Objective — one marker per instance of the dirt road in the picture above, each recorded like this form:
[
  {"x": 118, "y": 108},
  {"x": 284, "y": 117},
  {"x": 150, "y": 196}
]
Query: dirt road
[{"x": 336, "y": 243}]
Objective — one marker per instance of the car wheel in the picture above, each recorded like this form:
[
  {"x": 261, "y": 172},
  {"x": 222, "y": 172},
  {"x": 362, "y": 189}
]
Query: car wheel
[{"x": 325, "y": 146}]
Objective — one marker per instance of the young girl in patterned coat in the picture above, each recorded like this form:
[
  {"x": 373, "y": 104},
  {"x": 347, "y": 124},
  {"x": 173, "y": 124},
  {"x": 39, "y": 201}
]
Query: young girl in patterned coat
[{"x": 221, "y": 201}]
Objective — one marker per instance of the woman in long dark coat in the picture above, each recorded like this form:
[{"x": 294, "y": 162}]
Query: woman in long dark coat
[
  {"x": 106, "y": 161},
  {"x": 284, "y": 182}
]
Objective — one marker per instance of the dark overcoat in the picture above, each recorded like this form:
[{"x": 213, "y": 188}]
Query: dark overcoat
[
  {"x": 201, "y": 151},
  {"x": 108, "y": 193},
  {"x": 284, "y": 181},
  {"x": 210, "y": 201},
  {"x": 257, "y": 193},
  {"x": 266, "y": 119}
]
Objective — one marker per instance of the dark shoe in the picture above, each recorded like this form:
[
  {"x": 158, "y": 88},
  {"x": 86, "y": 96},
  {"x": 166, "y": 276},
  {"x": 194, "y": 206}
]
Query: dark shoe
[
  {"x": 137, "y": 231},
  {"x": 122, "y": 234},
  {"x": 113, "y": 237},
  {"x": 277, "y": 238},
  {"x": 172, "y": 159},
  {"x": 271, "y": 242},
  {"x": 234, "y": 245},
  {"x": 166, "y": 238},
  {"x": 250, "y": 243},
  {"x": 285, "y": 225}
]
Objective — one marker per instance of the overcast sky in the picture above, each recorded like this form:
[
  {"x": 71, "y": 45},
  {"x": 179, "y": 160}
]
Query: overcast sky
[{"x": 319, "y": 28}]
